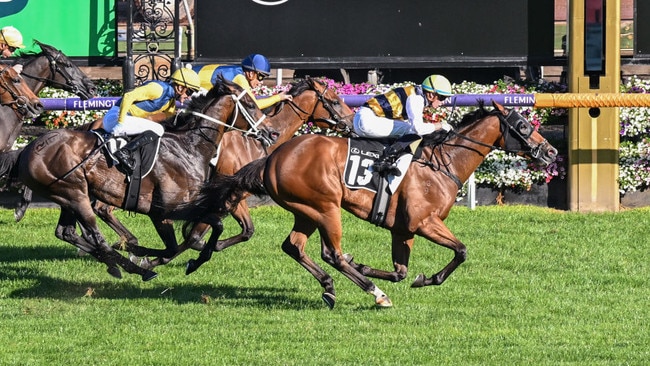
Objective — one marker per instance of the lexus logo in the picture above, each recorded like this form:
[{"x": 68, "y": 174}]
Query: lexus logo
[{"x": 270, "y": 3}]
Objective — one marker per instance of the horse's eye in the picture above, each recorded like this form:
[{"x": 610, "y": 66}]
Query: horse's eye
[
  {"x": 16, "y": 80},
  {"x": 524, "y": 128}
]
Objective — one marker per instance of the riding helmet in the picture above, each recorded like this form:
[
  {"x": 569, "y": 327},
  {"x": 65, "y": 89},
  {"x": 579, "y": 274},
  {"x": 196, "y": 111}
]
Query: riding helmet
[
  {"x": 187, "y": 78},
  {"x": 437, "y": 84},
  {"x": 258, "y": 63},
  {"x": 12, "y": 37}
]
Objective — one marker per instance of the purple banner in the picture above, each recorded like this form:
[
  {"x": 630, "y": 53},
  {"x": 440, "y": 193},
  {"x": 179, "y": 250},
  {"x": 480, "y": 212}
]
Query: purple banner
[{"x": 460, "y": 100}]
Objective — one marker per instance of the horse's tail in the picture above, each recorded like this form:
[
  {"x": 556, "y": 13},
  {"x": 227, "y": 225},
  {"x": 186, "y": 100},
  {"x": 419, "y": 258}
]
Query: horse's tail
[
  {"x": 9, "y": 163},
  {"x": 220, "y": 195}
]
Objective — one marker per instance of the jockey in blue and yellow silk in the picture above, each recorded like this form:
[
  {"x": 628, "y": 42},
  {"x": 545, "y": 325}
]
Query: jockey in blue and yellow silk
[
  {"x": 249, "y": 75},
  {"x": 130, "y": 114}
]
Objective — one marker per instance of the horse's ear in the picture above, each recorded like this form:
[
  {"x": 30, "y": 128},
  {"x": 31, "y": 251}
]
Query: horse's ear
[{"x": 499, "y": 107}]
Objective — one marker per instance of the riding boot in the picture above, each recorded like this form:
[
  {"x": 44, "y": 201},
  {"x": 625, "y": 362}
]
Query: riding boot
[
  {"x": 123, "y": 155},
  {"x": 386, "y": 164}
]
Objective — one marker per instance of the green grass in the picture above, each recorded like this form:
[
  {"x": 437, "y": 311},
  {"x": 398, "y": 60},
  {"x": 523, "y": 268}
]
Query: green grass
[{"x": 539, "y": 287}]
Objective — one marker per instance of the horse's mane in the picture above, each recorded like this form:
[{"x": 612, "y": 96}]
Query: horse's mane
[
  {"x": 198, "y": 103},
  {"x": 468, "y": 119},
  {"x": 45, "y": 48},
  {"x": 295, "y": 88}
]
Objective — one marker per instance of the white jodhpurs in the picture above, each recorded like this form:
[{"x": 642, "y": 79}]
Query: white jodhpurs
[
  {"x": 368, "y": 124},
  {"x": 135, "y": 126}
]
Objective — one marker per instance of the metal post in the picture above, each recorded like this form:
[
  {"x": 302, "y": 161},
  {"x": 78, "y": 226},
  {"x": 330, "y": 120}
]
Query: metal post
[{"x": 128, "y": 67}]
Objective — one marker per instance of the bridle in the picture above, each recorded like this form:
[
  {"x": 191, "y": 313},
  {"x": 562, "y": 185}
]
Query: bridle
[
  {"x": 337, "y": 121},
  {"x": 69, "y": 84},
  {"x": 515, "y": 131},
  {"x": 240, "y": 108},
  {"x": 19, "y": 102}
]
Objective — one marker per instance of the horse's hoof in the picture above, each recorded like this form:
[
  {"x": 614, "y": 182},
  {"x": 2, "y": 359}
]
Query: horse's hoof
[
  {"x": 383, "y": 302},
  {"x": 18, "y": 215},
  {"x": 348, "y": 257},
  {"x": 114, "y": 271},
  {"x": 149, "y": 275},
  {"x": 191, "y": 267},
  {"x": 419, "y": 281},
  {"x": 329, "y": 299}
]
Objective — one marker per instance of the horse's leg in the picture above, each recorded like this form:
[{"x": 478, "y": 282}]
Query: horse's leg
[
  {"x": 66, "y": 231},
  {"x": 206, "y": 252},
  {"x": 105, "y": 213},
  {"x": 25, "y": 200},
  {"x": 294, "y": 246},
  {"x": 165, "y": 229},
  {"x": 243, "y": 217},
  {"x": 102, "y": 251},
  {"x": 401, "y": 252},
  {"x": 436, "y": 231},
  {"x": 331, "y": 233},
  {"x": 241, "y": 214}
]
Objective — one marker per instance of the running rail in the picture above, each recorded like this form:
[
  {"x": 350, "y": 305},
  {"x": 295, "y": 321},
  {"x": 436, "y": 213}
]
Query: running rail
[{"x": 536, "y": 100}]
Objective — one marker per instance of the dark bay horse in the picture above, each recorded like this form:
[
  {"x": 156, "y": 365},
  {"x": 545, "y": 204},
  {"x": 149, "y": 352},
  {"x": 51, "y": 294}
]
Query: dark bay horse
[
  {"x": 69, "y": 168},
  {"x": 52, "y": 68},
  {"x": 306, "y": 176},
  {"x": 312, "y": 101}
]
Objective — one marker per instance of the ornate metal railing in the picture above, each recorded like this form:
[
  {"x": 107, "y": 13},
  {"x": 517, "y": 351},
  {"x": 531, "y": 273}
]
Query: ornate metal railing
[{"x": 153, "y": 41}]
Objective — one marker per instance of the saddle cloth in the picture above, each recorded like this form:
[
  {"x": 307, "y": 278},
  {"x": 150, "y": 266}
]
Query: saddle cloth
[{"x": 362, "y": 153}]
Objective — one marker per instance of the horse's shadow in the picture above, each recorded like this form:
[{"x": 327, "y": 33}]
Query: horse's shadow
[{"x": 47, "y": 287}]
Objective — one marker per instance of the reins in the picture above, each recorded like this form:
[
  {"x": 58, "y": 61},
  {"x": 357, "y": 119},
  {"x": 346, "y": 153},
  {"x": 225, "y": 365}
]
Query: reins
[
  {"x": 254, "y": 131},
  {"x": 54, "y": 69}
]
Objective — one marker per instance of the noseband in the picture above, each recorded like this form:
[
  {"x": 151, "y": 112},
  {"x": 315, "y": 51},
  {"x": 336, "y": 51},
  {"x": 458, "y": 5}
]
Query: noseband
[
  {"x": 18, "y": 102},
  {"x": 337, "y": 122}
]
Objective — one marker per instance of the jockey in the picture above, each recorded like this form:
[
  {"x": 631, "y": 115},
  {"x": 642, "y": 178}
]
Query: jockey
[
  {"x": 129, "y": 116},
  {"x": 399, "y": 112},
  {"x": 249, "y": 75},
  {"x": 11, "y": 39}
]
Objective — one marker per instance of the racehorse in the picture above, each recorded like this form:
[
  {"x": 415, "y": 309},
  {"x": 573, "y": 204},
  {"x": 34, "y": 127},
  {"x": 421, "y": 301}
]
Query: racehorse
[
  {"x": 52, "y": 68},
  {"x": 306, "y": 176},
  {"x": 312, "y": 100},
  {"x": 68, "y": 167},
  {"x": 17, "y": 102}
]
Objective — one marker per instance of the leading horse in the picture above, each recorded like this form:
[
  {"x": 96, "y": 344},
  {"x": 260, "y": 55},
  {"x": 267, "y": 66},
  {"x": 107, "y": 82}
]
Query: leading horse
[
  {"x": 306, "y": 176},
  {"x": 69, "y": 168}
]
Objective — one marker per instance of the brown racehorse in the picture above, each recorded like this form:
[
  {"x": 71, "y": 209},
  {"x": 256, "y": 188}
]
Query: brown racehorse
[
  {"x": 305, "y": 176},
  {"x": 312, "y": 101},
  {"x": 68, "y": 167},
  {"x": 18, "y": 102}
]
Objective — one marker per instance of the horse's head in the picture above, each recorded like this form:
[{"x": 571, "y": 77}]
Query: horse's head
[
  {"x": 229, "y": 107},
  {"x": 330, "y": 111},
  {"x": 14, "y": 92},
  {"x": 520, "y": 136},
  {"x": 56, "y": 70}
]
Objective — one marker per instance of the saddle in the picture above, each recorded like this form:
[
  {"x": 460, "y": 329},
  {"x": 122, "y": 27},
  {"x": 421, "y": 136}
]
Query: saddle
[
  {"x": 363, "y": 153},
  {"x": 144, "y": 151}
]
